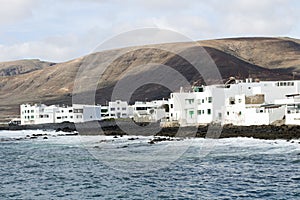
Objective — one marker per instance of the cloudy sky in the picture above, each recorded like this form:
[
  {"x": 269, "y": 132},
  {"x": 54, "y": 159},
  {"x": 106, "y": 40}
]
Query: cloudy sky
[{"x": 60, "y": 30}]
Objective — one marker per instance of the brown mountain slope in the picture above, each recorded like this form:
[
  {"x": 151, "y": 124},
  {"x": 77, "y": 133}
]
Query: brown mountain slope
[
  {"x": 266, "y": 52},
  {"x": 55, "y": 84},
  {"x": 22, "y": 66}
]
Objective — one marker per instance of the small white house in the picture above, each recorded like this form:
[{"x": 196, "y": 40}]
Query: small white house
[
  {"x": 37, "y": 114},
  {"x": 149, "y": 111},
  {"x": 182, "y": 108},
  {"x": 118, "y": 109},
  {"x": 244, "y": 110},
  {"x": 43, "y": 114},
  {"x": 292, "y": 114},
  {"x": 85, "y": 113},
  {"x": 191, "y": 108},
  {"x": 62, "y": 114},
  {"x": 292, "y": 111}
]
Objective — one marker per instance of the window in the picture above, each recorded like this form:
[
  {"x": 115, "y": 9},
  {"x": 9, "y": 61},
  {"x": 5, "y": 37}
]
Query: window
[
  {"x": 202, "y": 100},
  {"x": 231, "y": 101},
  {"x": 189, "y": 101},
  {"x": 112, "y": 109},
  {"x": 208, "y": 111},
  {"x": 71, "y": 117},
  {"x": 171, "y": 105},
  {"x": 78, "y": 110},
  {"x": 141, "y": 108},
  {"x": 58, "y": 117},
  {"x": 123, "y": 108},
  {"x": 191, "y": 112},
  {"x": 209, "y": 99},
  {"x": 199, "y": 112},
  {"x": 118, "y": 108},
  {"x": 70, "y": 111},
  {"x": 227, "y": 113},
  {"x": 32, "y": 111},
  {"x": 240, "y": 100},
  {"x": 32, "y": 117}
]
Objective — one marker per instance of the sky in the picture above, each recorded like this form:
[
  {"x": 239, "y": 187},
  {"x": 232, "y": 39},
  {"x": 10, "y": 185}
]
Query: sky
[{"x": 61, "y": 30}]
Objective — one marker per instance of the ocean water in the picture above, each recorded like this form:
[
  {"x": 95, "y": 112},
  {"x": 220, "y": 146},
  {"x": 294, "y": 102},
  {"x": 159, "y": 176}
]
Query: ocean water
[{"x": 99, "y": 167}]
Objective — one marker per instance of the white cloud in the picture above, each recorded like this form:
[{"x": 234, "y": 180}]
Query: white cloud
[
  {"x": 59, "y": 48},
  {"x": 255, "y": 17},
  {"x": 15, "y": 10},
  {"x": 60, "y": 30}
]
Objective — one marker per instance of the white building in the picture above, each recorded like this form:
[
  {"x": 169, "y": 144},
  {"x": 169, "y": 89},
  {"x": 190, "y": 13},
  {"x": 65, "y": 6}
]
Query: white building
[
  {"x": 37, "y": 114},
  {"x": 118, "y": 109},
  {"x": 292, "y": 109},
  {"x": 61, "y": 114},
  {"x": 206, "y": 104},
  {"x": 241, "y": 110},
  {"x": 85, "y": 113},
  {"x": 43, "y": 114},
  {"x": 149, "y": 111}
]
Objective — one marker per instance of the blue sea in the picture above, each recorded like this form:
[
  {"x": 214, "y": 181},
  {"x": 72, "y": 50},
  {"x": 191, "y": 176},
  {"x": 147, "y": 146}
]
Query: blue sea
[{"x": 128, "y": 167}]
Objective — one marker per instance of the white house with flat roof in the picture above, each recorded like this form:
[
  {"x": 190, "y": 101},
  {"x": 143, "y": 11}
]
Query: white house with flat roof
[
  {"x": 118, "y": 109},
  {"x": 63, "y": 114},
  {"x": 242, "y": 110},
  {"x": 152, "y": 111},
  {"x": 37, "y": 114},
  {"x": 206, "y": 104},
  {"x": 85, "y": 113},
  {"x": 43, "y": 114},
  {"x": 292, "y": 108}
]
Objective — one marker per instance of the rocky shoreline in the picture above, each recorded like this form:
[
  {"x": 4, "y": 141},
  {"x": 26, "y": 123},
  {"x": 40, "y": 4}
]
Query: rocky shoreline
[{"x": 215, "y": 131}]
